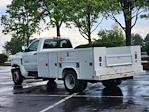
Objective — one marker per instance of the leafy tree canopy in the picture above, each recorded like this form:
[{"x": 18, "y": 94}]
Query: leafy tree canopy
[
  {"x": 146, "y": 38},
  {"x": 14, "y": 45},
  {"x": 130, "y": 9},
  {"x": 110, "y": 38},
  {"x": 84, "y": 15},
  {"x": 3, "y": 58},
  {"x": 107, "y": 38},
  {"x": 136, "y": 40},
  {"x": 21, "y": 19}
]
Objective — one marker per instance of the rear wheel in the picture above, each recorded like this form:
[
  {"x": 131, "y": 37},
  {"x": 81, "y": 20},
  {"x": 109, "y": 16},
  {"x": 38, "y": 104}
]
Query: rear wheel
[
  {"x": 72, "y": 84},
  {"x": 17, "y": 76},
  {"x": 111, "y": 83}
]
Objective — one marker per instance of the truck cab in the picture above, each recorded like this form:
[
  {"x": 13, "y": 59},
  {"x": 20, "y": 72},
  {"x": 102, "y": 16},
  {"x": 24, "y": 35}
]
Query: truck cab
[{"x": 29, "y": 56}]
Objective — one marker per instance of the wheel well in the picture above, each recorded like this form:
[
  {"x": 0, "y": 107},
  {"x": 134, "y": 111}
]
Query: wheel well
[
  {"x": 68, "y": 69},
  {"x": 15, "y": 66}
]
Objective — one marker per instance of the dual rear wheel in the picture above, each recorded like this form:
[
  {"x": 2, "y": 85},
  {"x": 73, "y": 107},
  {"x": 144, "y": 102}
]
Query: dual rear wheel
[{"x": 72, "y": 84}]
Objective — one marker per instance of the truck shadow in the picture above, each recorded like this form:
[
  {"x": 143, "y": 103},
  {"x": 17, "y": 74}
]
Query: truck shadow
[
  {"x": 107, "y": 98},
  {"x": 40, "y": 89},
  {"x": 110, "y": 98}
]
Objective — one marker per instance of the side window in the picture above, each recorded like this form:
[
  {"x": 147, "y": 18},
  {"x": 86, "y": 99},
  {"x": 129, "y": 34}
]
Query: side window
[
  {"x": 65, "y": 44},
  {"x": 33, "y": 46}
]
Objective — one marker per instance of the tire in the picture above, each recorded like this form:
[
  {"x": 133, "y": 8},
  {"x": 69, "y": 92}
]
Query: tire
[
  {"x": 51, "y": 83},
  {"x": 111, "y": 83},
  {"x": 83, "y": 85},
  {"x": 16, "y": 76},
  {"x": 72, "y": 84}
]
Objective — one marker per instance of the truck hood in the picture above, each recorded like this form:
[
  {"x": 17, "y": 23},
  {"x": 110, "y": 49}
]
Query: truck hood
[{"x": 17, "y": 55}]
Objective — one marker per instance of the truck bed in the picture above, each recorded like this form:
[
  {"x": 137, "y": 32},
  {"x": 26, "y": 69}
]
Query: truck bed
[{"x": 97, "y": 63}]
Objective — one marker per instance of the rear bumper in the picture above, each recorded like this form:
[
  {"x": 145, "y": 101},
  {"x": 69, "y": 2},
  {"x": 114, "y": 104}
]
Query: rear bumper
[
  {"x": 118, "y": 72},
  {"x": 117, "y": 75},
  {"x": 124, "y": 75}
]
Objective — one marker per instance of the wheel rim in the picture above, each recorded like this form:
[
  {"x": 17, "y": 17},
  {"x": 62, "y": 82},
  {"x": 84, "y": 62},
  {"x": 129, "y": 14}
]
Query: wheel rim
[
  {"x": 70, "y": 81},
  {"x": 15, "y": 76}
]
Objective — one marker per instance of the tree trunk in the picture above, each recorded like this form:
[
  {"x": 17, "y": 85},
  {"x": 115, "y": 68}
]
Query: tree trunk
[
  {"x": 58, "y": 29},
  {"x": 127, "y": 11},
  {"x": 89, "y": 25},
  {"x": 27, "y": 37},
  {"x": 128, "y": 33},
  {"x": 27, "y": 40}
]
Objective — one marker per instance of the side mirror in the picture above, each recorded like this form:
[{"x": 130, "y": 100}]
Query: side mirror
[{"x": 24, "y": 48}]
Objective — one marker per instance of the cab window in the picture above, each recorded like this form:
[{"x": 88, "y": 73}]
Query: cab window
[
  {"x": 33, "y": 46},
  {"x": 59, "y": 43}
]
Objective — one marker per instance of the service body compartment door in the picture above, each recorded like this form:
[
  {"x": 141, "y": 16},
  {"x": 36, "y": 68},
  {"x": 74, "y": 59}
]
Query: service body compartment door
[
  {"x": 43, "y": 65},
  {"x": 118, "y": 56},
  {"x": 47, "y": 65},
  {"x": 53, "y": 64}
]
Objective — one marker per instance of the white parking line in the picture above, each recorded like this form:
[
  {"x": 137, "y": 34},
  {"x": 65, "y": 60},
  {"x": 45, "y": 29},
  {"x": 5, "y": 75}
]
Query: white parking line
[
  {"x": 5, "y": 71},
  {"x": 59, "y": 102},
  {"x": 6, "y": 89},
  {"x": 82, "y": 96},
  {"x": 3, "y": 90}
]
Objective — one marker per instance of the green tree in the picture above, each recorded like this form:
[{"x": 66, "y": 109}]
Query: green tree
[
  {"x": 147, "y": 49},
  {"x": 21, "y": 19},
  {"x": 14, "y": 45},
  {"x": 24, "y": 16},
  {"x": 84, "y": 15},
  {"x": 130, "y": 9},
  {"x": 136, "y": 39},
  {"x": 3, "y": 58},
  {"x": 146, "y": 40},
  {"x": 110, "y": 38},
  {"x": 56, "y": 12}
]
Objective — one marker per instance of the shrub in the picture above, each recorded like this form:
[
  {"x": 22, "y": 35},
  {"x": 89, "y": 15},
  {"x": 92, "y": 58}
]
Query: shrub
[
  {"x": 3, "y": 58},
  {"x": 147, "y": 49},
  {"x": 88, "y": 46}
]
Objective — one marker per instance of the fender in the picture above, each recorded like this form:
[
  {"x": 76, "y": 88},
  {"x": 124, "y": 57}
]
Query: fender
[
  {"x": 16, "y": 61},
  {"x": 70, "y": 68}
]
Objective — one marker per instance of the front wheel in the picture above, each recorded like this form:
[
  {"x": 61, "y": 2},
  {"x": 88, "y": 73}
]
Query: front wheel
[
  {"x": 16, "y": 76},
  {"x": 72, "y": 84}
]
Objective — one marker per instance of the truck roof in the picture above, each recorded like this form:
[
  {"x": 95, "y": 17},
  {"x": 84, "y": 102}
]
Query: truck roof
[{"x": 55, "y": 38}]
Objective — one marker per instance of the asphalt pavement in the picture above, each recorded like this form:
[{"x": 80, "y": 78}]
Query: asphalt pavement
[{"x": 35, "y": 96}]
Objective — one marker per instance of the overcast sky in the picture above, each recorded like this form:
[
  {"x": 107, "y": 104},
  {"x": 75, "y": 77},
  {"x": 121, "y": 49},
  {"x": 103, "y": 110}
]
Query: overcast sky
[{"x": 142, "y": 27}]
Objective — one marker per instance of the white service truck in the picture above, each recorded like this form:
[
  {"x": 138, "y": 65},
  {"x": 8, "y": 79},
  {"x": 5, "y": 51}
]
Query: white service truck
[{"x": 51, "y": 59}]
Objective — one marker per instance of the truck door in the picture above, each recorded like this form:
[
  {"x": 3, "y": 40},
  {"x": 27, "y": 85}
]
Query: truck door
[
  {"x": 53, "y": 65},
  {"x": 29, "y": 57}
]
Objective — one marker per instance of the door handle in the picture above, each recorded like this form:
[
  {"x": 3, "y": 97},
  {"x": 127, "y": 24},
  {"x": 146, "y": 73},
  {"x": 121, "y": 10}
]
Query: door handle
[{"x": 35, "y": 54}]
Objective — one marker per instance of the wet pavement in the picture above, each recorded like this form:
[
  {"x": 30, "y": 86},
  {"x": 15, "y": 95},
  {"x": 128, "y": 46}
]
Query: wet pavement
[{"x": 35, "y": 96}]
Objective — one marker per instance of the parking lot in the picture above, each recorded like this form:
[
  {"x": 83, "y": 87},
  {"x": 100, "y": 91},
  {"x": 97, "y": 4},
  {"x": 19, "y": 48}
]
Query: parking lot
[{"x": 35, "y": 96}]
